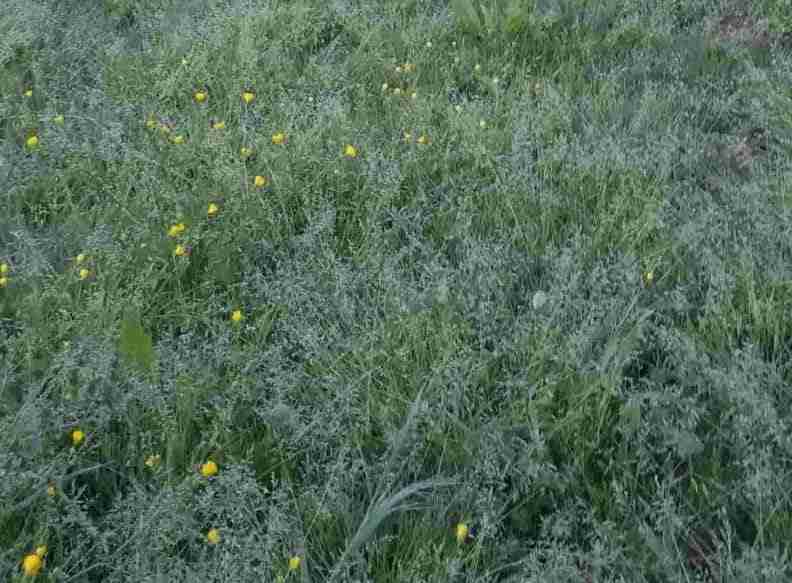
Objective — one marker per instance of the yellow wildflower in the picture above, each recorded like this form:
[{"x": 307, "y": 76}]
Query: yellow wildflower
[
  {"x": 237, "y": 316},
  {"x": 278, "y": 138},
  {"x": 31, "y": 565},
  {"x": 3, "y": 281},
  {"x": 153, "y": 461},
  {"x": 151, "y": 123},
  {"x": 32, "y": 141},
  {"x": 58, "y": 119},
  {"x": 4, "y": 268},
  {"x": 423, "y": 139},
  {"x": 176, "y": 230},
  {"x": 77, "y": 437},
  {"x": 294, "y": 563},
  {"x": 245, "y": 151},
  {"x": 407, "y": 137},
  {"x": 350, "y": 151},
  {"x": 213, "y": 536},
  {"x": 180, "y": 251},
  {"x": 219, "y": 125},
  {"x": 649, "y": 277},
  {"x": 84, "y": 273},
  {"x": 248, "y": 96},
  {"x": 51, "y": 491},
  {"x": 209, "y": 469},
  {"x": 212, "y": 210},
  {"x": 260, "y": 181},
  {"x": 79, "y": 259},
  {"x": 462, "y": 532},
  {"x": 29, "y": 93},
  {"x": 200, "y": 96},
  {"x": 41, "y": 551},
  {"x": 178, "y": 139}
]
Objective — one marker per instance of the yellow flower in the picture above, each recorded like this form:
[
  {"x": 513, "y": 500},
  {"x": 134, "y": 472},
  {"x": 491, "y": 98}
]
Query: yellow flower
[
  {"x": 294, "y": 563},
  {"x": 51, "y": 491},
  {"x": 350, "y": 151},
  {"x": 41, "y": 551},
  {"x": 77, "y": 437},
  {"x": 248, "y": 96},
  {"x": 178, "y": 139},
  {"x": 32, "y": 142},
  {"x": 200, "y": 96},
  {"x": 260, "y": 181},
  {"x": 31, "y": 565},
  {"x": 278, "y": 138},
  {"x": 245, "y": 151},
  {"x": 237, "y": 316},
  {"x": 213, "y": 536},
  {"x": 79, "y": 259},
  {"x": 461, "y": 532},
  {"x": 218, "y": 125},
  {"x": 151, "y": 123},
  {"x": 209, "y": 469},
  {"x": 423, "y": 140},
  {"x": 213, "y": 209},
  {"x": 58, "y": 119},
  {"x": 3, "y": 281},
  {"x": 4, "y": 268},
  {"x": 649, "y": 277},
  {"x": 180, "y": 251},
  {"x": 176, "y": 230},
  {"x": 84, "y": 273},
  {"x": 29, "y": 93},
  {"x": 153, "y": 460},
  {"x": 407, "y": 137}
]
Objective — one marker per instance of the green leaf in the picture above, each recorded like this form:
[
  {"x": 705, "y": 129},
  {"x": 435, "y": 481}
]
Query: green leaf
[
  {"x": 466, "y": 15},
  {"x": 134, "y": 344}
]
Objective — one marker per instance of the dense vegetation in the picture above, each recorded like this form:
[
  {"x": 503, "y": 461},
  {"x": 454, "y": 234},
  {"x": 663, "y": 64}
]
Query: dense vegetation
[{"x": 345, "y": 290}]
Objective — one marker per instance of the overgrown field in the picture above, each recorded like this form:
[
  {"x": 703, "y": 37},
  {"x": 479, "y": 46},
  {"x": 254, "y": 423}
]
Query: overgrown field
[{"x": 398, "y": 291}]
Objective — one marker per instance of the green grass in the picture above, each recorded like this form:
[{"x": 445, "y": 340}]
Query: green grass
[{"x": 456, "y": 329}]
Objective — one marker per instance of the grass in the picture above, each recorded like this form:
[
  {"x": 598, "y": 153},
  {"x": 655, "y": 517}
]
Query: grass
[{"x": 547, "y": 296}]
